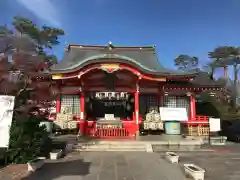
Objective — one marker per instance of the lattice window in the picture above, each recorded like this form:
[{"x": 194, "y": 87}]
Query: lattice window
[
  {"x": 148, "y": 101},
  {"x": 170, "y": 101},
  {"x": 70, "y": 104},
  {"x": 76, "y": 104},
  {"x": 183, "y": 102},
  {"x": 153, "y": 101},
  {"x": 177, "y": 102}
]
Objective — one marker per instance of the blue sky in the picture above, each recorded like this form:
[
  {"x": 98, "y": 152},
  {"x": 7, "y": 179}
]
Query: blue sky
[{"x": 192, "y": 27}]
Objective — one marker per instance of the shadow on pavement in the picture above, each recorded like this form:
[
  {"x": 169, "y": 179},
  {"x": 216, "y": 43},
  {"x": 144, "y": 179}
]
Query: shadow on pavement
[{"x": 54, "y": 170}]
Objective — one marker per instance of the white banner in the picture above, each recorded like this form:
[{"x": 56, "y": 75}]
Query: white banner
[
  {"x": 173, "y": 114},
  {"x": 6, "y": 113},
  {"x": 214, "y": 124}
]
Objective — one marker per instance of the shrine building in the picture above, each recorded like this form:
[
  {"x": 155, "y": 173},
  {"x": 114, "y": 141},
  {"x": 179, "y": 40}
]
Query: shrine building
[{"x": 108, "y": 90}]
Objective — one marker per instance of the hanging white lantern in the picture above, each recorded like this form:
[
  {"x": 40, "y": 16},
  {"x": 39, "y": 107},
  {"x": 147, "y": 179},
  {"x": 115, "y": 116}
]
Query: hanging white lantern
[
  {"x": 212, "y": 94},
  {"x": 165, "y": 93},
  {"x": 189, "y": 94},
  {"x": 122, "y": 94},
  {"x": 15, "y": 76},
  {"x": 97, "y": 95}
]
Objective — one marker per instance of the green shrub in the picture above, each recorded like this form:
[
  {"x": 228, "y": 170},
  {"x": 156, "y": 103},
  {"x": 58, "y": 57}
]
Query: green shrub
[{"x": 26, "y": 139}]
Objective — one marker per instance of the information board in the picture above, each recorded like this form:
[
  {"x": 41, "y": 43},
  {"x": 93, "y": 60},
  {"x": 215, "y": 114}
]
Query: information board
[
  {"x": 173, "y": 114},
  {"x": 214, "y": 124},
  {"x": 6, "y": 114}
]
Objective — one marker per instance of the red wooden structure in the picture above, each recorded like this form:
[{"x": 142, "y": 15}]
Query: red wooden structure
[{"x": 86, "y": 70}]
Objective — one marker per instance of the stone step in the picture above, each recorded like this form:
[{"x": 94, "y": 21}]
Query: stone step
[
  {"x": 160, "y": 143},
  {"x": 111, "y": 142},
  {"x": 110, "y": 147},
  {"x": 95, "y": 146},
  {"x": 129, "y": 145},
  {"x": 181, "y": 148}
]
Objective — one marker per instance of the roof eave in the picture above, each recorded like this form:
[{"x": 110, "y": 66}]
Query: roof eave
[{"x": 150, "y": 47}]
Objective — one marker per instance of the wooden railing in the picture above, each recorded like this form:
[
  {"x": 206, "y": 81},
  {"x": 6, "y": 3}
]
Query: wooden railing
[
  {"x": 126, "y": 132},
  {"x": 203, "y": 119},
  {"x": 116, "y": 133},
  {"x": 198, "y": 120},
  {"x": 198, "y": 126}
]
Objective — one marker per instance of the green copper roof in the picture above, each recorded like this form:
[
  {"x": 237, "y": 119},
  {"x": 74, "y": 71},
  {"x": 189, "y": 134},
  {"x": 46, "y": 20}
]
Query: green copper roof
[
  {"x": 202, "y": 79},
  {"x": 143, "y": 58}
]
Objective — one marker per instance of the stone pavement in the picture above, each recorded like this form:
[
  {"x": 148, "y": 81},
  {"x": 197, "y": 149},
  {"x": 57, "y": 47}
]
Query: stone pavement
[
  {"x": 218, "y": 165},
  {"x": 14, "y": 172},
  {"x": 109, "y": 166}
]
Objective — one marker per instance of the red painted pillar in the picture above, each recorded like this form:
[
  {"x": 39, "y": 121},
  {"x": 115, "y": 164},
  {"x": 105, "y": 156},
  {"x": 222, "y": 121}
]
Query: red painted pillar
[
  {"x": 192, "y": 108},
  {"x": 136, "y": 104},
  {"x": 82, "y": 123},
  {"x": 136, "y": 107},
  {"x": 58, "y": 104}
]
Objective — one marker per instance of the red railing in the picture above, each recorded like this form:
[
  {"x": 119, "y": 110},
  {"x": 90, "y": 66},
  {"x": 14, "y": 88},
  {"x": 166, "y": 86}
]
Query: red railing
[
  {"x": 116, "y": 133},
  {"x": 128, "y": 131},
  {"x": 199, "y": 120},
  {"x": 129, "y": 128},
  {"x": 203, "y": 119}
]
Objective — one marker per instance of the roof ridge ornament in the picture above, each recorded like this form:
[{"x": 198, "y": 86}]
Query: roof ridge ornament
[
  {"x": 110, "y": 46},
  {"x": 67, "y": 48}
]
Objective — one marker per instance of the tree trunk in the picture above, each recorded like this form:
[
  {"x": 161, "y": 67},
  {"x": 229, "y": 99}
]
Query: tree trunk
[
  {"x": 235, "y": 95},
  {"x": 225, "y": 70},
  {"x": 212, "y": 73}
]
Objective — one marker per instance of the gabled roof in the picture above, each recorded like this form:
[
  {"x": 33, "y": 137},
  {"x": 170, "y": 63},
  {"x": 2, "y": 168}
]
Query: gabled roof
[
  {"x": 141, "y": 57},
  {"x": 202, "y": 79}
]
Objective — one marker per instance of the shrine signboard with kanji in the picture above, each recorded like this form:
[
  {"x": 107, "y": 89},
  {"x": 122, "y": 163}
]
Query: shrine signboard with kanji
[{"x": 111, "y": 95}]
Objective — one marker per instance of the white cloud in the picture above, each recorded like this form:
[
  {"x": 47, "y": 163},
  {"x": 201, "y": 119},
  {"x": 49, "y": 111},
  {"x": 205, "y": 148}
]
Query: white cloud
[{"x": 43, "y": 9}]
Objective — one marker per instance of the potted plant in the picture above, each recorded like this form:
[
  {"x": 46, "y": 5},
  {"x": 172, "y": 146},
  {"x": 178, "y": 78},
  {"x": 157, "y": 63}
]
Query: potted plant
[
  {"x": 56, "y": 154},
  {"x": 194, "y": 171},
  {"x": 172, "y": 157},
  {"x": 35, "y": 164}
]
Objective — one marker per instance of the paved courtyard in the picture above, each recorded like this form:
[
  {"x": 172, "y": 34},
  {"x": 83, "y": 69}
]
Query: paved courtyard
[
  {"x": 109, "y": 166},
  {"x": 223, "y": 164},
  {"x": 218, "y": 166}
]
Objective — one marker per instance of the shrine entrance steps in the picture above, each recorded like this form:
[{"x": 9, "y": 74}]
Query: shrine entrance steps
[
  {"x": 145, "y": 146},
  {"x": 111, "y": 145}
]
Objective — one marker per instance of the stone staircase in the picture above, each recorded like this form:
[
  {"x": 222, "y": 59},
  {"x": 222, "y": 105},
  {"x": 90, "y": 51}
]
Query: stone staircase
[
  {"x": 145, "y": 146},
  {"x": 113, "y": 146}
]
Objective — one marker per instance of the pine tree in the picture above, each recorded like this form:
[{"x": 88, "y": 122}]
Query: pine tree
[{"x": 23, "y": 74}]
